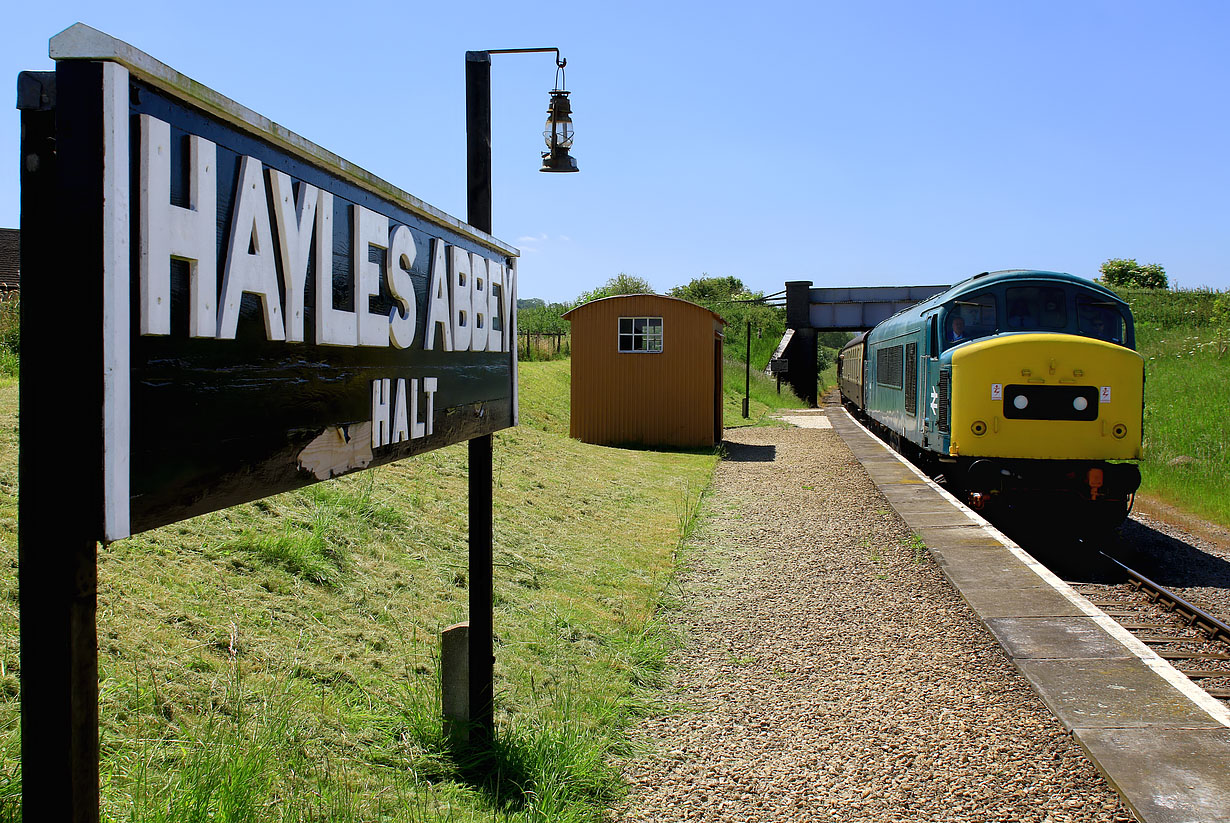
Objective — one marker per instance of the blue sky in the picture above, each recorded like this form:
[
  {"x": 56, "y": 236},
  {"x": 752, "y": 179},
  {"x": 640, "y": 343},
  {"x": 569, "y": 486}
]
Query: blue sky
[{"x": 842, "y": 143}]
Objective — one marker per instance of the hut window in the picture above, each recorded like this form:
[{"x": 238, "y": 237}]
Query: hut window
[{"x": 640, "y": 334}]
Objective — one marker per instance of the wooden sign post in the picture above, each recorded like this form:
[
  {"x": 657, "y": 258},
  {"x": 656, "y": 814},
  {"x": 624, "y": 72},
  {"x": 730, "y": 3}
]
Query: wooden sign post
[{"x": 214, "y": 310}]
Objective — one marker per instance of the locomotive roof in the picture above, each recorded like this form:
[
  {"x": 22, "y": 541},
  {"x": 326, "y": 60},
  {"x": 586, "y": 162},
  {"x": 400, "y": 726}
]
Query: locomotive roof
[
  {"x": 979, "y": 282},
  {"x": 994, "y": 278}
]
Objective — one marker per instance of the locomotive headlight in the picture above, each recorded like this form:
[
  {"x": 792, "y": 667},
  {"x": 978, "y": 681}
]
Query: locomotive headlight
[
  {"x": 1080, "y": 403},
  {"x": 1119, "y": 431},
  {"x": 1020, "y": 401},
  {"x": 979, "y": 428}
]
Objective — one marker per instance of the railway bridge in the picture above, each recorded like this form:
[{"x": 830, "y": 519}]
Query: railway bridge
[{"x": 845, "y": 308}]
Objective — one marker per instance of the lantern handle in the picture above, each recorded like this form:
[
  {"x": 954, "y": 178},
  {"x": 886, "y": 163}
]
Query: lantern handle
[{"x": 560, "y": 62}]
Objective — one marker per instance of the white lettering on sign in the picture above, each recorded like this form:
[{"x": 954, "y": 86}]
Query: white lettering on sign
[
  {"x": 401, "y": 259},
  {"x": 170, "y": 232},
  {"x": 429, "y": 391},
  {"x": 1104, "y": 397},
  {"x": 370, "y": 229},
  {"x": 381, "y": 407},
  {"x": 997, "y": 391},
  {"x": 273, "y": 224},
  {"x": 334, "y": 327},
  {"x": 496, "y": 336},
  {"x": 293, "y": 219},
  {"x": 395, "y": 421},
  {"x": 401, "y": 426},
  {"x": 250, "y": 268},
  {"x": 460, "y": 289},
  {"x": 478, "y": 302},
  {"x": 438, "y": 312}
]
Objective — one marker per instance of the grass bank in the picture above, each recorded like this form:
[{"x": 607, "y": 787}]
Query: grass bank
[
  {"x": 1187, "y": 399},
  {"x": 277, "y": 661},
  {"x": 765, "y": 400}
]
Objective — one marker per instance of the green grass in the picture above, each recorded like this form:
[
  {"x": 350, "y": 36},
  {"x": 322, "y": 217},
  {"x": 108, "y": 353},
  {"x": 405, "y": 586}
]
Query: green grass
[
  {"x": 765, "y": 401},
  {"x": 278, "y": 661},
  {"x": 1187, "y": 400},
  {"x": 764, "y": 344}
]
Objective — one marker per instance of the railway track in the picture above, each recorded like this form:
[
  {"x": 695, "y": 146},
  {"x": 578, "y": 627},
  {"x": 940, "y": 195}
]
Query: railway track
[{"x": 1194, "y": 641}]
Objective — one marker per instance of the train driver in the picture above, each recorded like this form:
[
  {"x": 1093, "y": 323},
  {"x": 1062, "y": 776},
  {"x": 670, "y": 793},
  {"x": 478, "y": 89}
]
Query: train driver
[
  {"x": 1100, "y": 324},
  {"x": 956, "y": 330}
]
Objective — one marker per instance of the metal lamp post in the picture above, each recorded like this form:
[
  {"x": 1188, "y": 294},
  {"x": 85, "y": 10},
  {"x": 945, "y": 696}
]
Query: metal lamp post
[{"x": 558, "y": 137}]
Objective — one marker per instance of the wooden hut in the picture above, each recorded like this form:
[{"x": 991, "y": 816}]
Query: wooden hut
[{"x": 646, "y": 370}]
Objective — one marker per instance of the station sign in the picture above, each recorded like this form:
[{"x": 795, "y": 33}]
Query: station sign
[{"x": 273, "y": 315}]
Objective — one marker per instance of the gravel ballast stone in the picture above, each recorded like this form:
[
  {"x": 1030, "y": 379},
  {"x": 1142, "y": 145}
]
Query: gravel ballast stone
[{"x": 829, "y": 673}]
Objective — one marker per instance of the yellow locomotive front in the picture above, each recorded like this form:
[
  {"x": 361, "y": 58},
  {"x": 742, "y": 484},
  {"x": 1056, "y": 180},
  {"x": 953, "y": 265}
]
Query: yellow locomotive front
[{"x": 1048, "y": 412}]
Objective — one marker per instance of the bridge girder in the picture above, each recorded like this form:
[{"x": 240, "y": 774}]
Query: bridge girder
[{"x": 856, "y": 308}]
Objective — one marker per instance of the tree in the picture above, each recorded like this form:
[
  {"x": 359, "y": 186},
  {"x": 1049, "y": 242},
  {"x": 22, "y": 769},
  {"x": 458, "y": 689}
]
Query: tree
[
  {"x": 742, "y": 310},
  {"x": 705, "y": 290},
  {"x": 1221, "y": 311},
  {"x": 535, "y": 316},
  {"x": 1126, "y": 272},
  {"x": 619, "y": 284}
]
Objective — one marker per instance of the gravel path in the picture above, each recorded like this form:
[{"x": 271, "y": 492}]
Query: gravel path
[{"x": 830, "y": 674}]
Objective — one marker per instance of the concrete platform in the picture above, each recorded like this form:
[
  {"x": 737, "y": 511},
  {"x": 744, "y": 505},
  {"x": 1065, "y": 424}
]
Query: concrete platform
[{"x": 1160, "y": 740}]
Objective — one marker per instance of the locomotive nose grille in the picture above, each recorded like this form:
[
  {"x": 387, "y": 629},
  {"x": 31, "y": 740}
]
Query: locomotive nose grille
[
  {"x": 1034, "y": 402},
  {"x": 941, "y": 415}
]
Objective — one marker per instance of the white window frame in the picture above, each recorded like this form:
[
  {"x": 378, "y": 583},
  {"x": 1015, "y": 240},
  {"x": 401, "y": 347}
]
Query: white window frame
[{"x": 620, "y": 335}]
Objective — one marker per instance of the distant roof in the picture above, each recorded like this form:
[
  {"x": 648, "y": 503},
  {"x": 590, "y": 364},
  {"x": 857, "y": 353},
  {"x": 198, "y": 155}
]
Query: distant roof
[
  {"x": 716, "y": 316},
  {"x": 10, "y": 259}
]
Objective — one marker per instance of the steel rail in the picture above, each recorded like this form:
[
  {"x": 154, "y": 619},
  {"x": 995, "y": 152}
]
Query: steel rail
[{"x": 1196, "y": 617}]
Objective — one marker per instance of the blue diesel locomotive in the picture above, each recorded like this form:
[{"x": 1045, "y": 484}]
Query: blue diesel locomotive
[{"x": 1011, "y": 383}]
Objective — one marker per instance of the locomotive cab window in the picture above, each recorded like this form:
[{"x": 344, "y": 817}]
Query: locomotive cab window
[
  {"x": 1037, "y": 308},
  {"x": 640, "y": 334},
  {"x": 968, "y": 318},
  {"x": 1099, "y": 318}
]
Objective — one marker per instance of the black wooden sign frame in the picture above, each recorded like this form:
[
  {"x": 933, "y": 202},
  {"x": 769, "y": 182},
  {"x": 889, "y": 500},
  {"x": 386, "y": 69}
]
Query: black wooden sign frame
[
  {"x": 272, "y": 316},
  {"x": 153, "y": 390}
]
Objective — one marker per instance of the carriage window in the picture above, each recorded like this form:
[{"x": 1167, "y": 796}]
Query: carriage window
[
  {"x": 640, "y": 334},
  {"x": 1034, "y": 308},
  {"x": 968, "y": 318},
  {"x": 1099, "y": 318}
]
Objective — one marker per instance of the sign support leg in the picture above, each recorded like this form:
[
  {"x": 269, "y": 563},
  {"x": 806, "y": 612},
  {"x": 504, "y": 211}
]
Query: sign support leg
[
  {"x": 60, "y": 459},
  {"x": 482, "y": 653},
  {"x": 478, "y": 204}
]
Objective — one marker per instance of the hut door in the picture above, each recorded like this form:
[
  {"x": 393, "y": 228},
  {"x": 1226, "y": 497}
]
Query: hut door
[{"x": 717, "y": 390}]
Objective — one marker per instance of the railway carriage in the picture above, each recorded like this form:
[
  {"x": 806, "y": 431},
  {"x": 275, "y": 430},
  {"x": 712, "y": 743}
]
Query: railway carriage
[{"x": 1010, "y": 383}]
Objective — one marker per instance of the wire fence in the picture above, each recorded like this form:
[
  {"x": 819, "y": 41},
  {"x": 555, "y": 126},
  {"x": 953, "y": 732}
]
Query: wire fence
[{"x": 544, "y": 346}]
